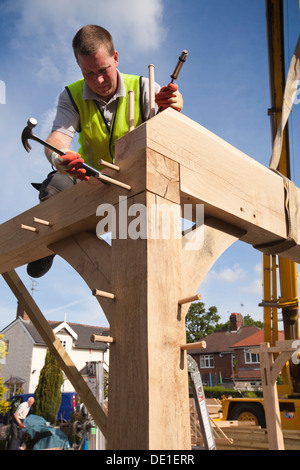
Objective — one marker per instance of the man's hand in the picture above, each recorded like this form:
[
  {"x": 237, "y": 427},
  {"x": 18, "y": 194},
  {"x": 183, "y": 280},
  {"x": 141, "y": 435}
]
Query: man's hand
[
  {"x": 169, "y": 96},
  {"x": 21, "y": 425},
  {"x": 69, "y": 164}
]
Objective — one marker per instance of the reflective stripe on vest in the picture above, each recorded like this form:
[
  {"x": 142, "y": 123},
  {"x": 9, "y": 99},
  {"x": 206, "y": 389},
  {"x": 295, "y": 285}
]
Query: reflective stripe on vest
[{"x": 95, "y": 138}]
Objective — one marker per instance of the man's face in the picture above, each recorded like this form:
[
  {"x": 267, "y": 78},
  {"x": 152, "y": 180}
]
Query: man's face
[{"x": 100, "y": 72}]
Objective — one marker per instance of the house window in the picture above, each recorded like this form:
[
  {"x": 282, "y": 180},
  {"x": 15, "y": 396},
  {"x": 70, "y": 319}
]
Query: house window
[
  {"x": 251, "y": 358},
  {"x": 207, "y": 361},
  {"x": 3, "y": 351},
  {"x": 64, "y": 343}
]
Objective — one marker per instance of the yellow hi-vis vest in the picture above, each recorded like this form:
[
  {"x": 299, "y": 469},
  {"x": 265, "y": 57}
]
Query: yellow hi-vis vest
[{"x": 96, "y": 139}]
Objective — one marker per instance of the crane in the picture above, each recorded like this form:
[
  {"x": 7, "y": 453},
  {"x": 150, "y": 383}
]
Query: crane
[
  {"x": 272, "y": 265},
  {"x": 276, "y": 268}
]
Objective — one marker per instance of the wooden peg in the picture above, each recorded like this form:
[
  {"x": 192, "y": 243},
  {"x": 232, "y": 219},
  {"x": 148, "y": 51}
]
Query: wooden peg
[
  {"x": 189, "y": 346},
  {"x": 41, "y": 221},
  {"x": 109, "y": 180},
  {"x": 187, "y": 300},
  {"x": 30, "y": 229},
  {"x": 102, "y": 339},
  {"x": 130, "y": 110},
  {"x": 151, "y": 90},
  {"x": 101, "y": 293},
  {"x": 102, "y": 162}
]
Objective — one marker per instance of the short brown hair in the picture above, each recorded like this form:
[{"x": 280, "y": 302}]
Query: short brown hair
[{"x": 89, "y": 39}]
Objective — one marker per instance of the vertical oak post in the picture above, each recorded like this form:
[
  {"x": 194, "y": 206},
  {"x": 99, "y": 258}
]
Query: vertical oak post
[
  {"x": 148, "y": 386},
  {"x": 271, "y": 402}
]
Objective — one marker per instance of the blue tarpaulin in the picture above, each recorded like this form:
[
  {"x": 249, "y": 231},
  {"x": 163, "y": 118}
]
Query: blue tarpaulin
[{"x": 47, "y": 436}]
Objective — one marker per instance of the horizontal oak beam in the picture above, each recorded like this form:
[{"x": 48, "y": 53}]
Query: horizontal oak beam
[
  {"x": 69, "y": 213},
  {"x": 166, "y": 153},
  {"x": 234, "y": 188}
]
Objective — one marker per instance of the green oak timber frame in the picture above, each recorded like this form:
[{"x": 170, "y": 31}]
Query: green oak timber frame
[{"x": 168, "y": 161}]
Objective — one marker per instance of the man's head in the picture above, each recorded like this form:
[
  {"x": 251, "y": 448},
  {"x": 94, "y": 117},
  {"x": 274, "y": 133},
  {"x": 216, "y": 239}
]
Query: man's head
[
  {"x": 30, "y": 401},
  {"x": 94, "y": 51},
  {"x": 89, "y": 39}
]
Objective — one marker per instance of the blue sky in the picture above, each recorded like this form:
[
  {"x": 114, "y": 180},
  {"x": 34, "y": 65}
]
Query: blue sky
[{"x": 225, "y": 86}]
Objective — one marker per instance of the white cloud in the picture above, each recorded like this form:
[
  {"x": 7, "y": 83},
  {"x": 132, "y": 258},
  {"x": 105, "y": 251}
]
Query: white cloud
[
  {"x": 258, "y": 269},
  {"x": 255, "y": 287},
  {"x": 230, "y": 274},
  {"x": 46, "y": 122},
  {"x": 246, "y": 282},
  {"x": 41, "y": 33},
  {"x": 137, "y": 22},
  {"x": 48, "y": 71}
]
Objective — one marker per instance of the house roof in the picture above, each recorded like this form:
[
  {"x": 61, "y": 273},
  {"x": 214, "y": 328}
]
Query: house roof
[
  {"x": 255, "y": 340},
  {"x": 81, "y": 338},
  {"x": 222, "y": 341}
]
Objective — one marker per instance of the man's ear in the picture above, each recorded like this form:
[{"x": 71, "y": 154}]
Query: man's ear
[{"x": 116, "y": 58}]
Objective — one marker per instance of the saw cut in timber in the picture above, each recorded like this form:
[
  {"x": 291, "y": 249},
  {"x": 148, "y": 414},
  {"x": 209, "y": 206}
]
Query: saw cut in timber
[{"x": 167, "y": 162}]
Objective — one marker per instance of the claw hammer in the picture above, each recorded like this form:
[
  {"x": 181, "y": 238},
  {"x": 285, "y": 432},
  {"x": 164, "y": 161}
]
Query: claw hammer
[{"x": 28, "y": 134}]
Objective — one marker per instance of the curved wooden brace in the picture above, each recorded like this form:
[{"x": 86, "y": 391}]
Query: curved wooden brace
[
  {"x": 90, "y": 256},
  {"x": 214, "y": 240}
]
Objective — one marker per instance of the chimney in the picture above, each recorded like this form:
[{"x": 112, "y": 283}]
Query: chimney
[
  {"x": 21, "y": 313},
  {"x": 236, "y": 321}
]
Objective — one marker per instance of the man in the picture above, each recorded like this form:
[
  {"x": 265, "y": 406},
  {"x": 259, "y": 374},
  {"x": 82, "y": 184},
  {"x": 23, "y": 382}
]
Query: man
[
  {"x": 17, "y": 423},
  {"x": 96, "y": 108}
]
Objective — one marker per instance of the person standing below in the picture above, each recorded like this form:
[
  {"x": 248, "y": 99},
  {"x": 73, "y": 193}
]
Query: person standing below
[
  {"x": 96, "y": 107},
  {"x": 17, "y": 423}
]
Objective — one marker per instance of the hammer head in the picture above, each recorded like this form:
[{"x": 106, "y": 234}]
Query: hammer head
[{"x": 27, "y": 133}]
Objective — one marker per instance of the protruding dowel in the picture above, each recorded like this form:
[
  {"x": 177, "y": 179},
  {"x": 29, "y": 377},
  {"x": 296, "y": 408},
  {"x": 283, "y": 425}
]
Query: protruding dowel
[
  {"x": 101, "y": 339},
  {"x": 30, "y": 229},
  {"x": 109, "y": 180},
  {"x": 41, "y": 221},
  {"x": 189, "y": 346},
  {"x": 102, "y": 162},
  {"x": 101, "y": 293},
  {"x": 151, "y": 90},
  {"x": 130, "y": 110},
  {"x": 187, "y": 300}
]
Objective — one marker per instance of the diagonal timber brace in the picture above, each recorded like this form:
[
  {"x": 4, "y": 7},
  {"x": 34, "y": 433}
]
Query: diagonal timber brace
[{"x": 56, "y": 348}]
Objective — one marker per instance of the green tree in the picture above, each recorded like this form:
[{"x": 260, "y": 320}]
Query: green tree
[
  {"x": 4, "y": 405},
  {"x": 247, "y": 321},
  {"x": 48, "y": 391},
  {"x": 199, "y": 322}
]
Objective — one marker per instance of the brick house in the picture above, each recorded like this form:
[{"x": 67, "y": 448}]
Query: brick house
[
  {"x": 27, "y": 350},
  {"x": 227, "y": 358},
  {"x": 247, "y": 360}
]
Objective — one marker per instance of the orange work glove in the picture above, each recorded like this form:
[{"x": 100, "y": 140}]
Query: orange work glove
[
  {"x": 169, "y": 96},
  {"x": 69, "y": 164}
]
